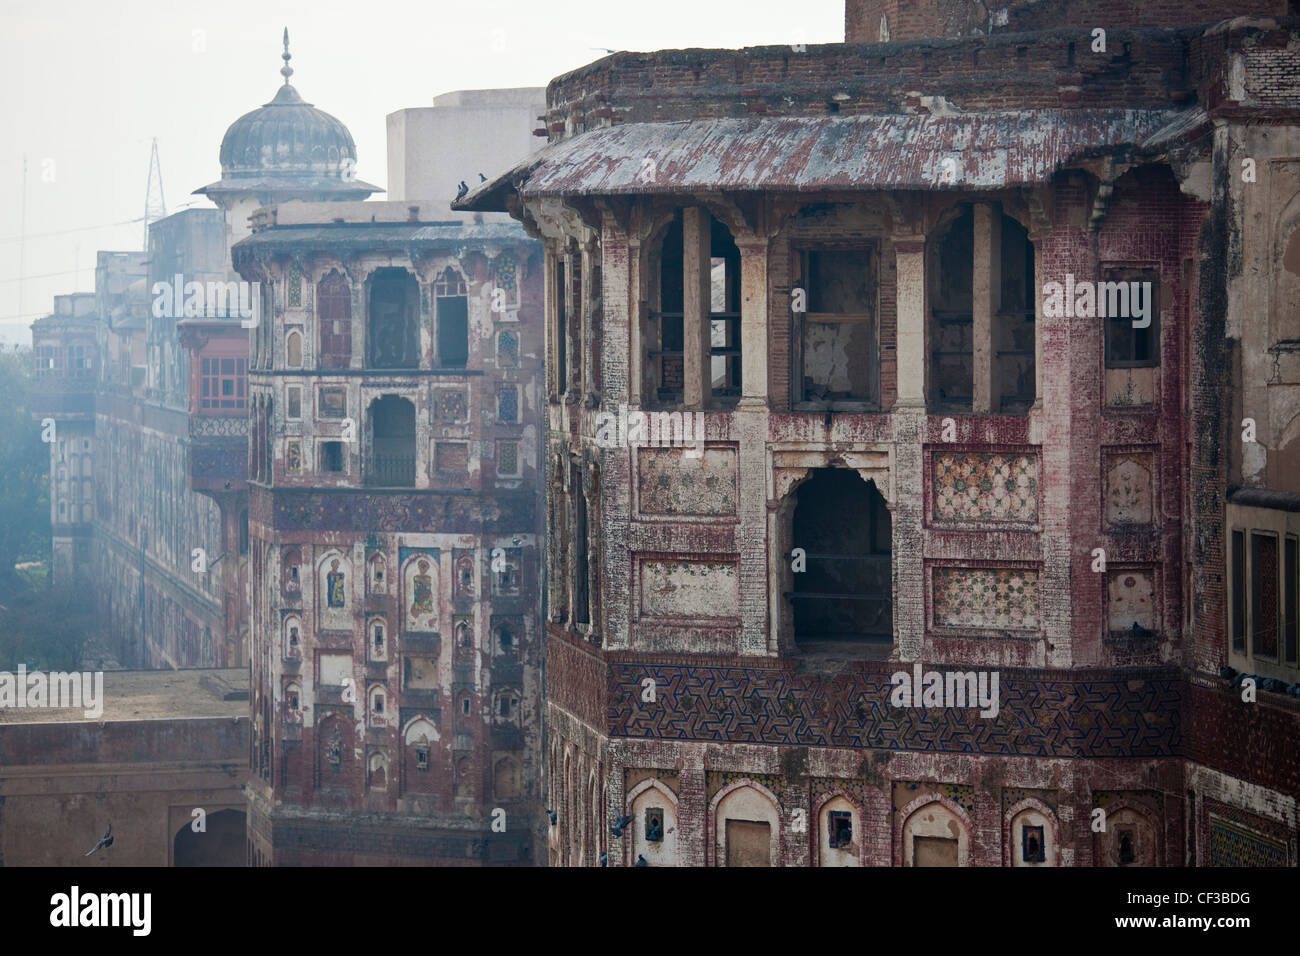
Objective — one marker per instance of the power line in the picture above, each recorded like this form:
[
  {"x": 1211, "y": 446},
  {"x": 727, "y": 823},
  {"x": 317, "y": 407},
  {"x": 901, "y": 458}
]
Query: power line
[
  {"x": 47, "y": 275},
  {"x": 15, "y": 318},
  {"x": 64, "y": 232}
]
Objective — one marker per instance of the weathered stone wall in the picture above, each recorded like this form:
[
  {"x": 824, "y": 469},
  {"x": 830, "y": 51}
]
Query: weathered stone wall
[
  {"x": 953, "y": 18},
  {"x": 396, "y": 631},
  {"x": 62, "y": 783},
  {"x": 147, "y": 524}
]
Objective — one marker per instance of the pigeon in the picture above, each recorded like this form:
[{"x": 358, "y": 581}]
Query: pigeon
[
  {"x": 641, "y": 860},
  {"x": 604, "y": 859},
  {"x": 462, "y": 190},
  {"x": 1139, "y": 631},
  {"x": 482, "y": 178},
  {"x": 553, "y": 816},
  {"x": 105, "y": 841},
  {"x": 1227, "y": 673},
  {"x": 619, "y": 825}
]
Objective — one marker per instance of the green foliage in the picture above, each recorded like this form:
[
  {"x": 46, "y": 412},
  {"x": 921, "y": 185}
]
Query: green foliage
[
  {"x": 24, "y": 475},
  {"x": 46, "y": 629}
]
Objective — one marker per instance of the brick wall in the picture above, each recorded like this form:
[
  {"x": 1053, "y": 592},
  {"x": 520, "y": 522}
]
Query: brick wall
[
  {"x": 917, "y": 19},
  {"x": 1142, "y": 68}
]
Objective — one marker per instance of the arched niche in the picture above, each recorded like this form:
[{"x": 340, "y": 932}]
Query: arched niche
[
  {"x": 745, "y": 826},
  {"x": 839, "y": 836},
  {"x": 1031, "y": 836},
  {"x": 421, "y": 593},
  {"x": 653, "y": 808},
  {"x": 935, "y": 832}
]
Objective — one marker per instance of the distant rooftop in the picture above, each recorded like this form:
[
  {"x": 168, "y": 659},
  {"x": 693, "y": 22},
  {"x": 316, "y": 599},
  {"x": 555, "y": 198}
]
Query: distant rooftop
[
  {"x": 152, "y": 695},
  {"x": 511, "y": 96}
]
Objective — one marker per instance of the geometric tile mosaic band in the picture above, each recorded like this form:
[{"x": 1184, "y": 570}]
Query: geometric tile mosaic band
[
  {"x": 1233, "y": 845},
  {"x": 1089, "y": 715}
]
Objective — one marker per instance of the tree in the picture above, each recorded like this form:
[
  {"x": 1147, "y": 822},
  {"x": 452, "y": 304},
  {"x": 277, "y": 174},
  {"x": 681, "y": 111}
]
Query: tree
[
  {"x": 24, "y": 475},
  {"x": 51, "y": 634}
]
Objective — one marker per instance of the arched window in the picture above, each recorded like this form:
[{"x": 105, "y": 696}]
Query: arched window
[
  {"x": 291, "y": 572},
  {"x": 453, "y": 319},
  {"x": 378, "y": 574},
  {"x": 419, "y": 738},
  {"x": 334, "y": 313},
  {"x": 378, "y": 706},
  {"x": 377, "y": 771},
  {"x": 293, "y": 349},
  {"x": 506, "y": 638},
  {"x": 292, "y": 703},
  {"x": 392, "y": 336},
  {"x": 692, "y": 345},
  {"x": 377, "y": 635},
  {"x": 982, "y": 305},
  {"x": 292, "y": 638},
  {"x": 505, "y": 706},
  {"x": 846, "y": 590}
]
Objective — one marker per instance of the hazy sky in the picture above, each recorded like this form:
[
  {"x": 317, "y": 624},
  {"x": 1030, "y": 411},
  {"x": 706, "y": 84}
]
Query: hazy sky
[{"x": 89, "y": 83}]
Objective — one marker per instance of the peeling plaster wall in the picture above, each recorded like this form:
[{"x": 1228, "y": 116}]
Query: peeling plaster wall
[
  {"x": 448, "y": 569},
  {"x": 701, "y": 703}
]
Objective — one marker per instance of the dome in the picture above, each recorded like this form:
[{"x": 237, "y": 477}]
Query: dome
[
  {"x": 288, "y": 147},
  {"x": 286, "y": 137}
]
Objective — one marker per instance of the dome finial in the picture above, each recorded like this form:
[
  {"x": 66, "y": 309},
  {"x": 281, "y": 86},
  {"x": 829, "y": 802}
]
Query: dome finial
[{"x": 286, "y": 71}]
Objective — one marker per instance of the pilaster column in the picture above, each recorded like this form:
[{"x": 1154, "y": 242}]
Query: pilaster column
[
  {"x": 909, "y": 256},
  {"x": 697, "y": 293},
  {"x": 753, "y": 321},
  {"x": 986, "y": 299}
]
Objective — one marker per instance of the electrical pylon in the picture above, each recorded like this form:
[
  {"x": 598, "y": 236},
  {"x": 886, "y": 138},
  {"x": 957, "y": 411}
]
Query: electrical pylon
[{"x": 155, "y": 206}]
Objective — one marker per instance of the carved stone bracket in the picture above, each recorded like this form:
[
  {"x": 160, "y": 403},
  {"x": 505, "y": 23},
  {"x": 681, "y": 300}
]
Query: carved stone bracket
[{"x": 790, "y": 467}]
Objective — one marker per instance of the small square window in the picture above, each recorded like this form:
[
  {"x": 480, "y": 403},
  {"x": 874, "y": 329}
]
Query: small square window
[
  {"x": 840, "y": 829},
  {"x": 421, "y": 759},
  {"x": 1032, "y": 847},
  {"x": 331, "y": 453},
  {"x": 1127, "y": 846},
  {"x": 1129, "y": 296},
  {"x": 654, "y": 825}
]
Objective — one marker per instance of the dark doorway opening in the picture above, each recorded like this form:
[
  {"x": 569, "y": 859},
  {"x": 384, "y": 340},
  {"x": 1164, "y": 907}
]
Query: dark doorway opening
[
  {"x": 392, "y": 458},
  {"x": 845, "y": 592},
  {"x": 221, "y": 843},
  {"x": 392, "y": 333}
]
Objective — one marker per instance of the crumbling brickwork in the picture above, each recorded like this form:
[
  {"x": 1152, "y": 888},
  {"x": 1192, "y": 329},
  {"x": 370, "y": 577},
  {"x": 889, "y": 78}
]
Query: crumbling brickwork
[
  {"x": 394, "y": 526},
  {"x": 1053, "y": 476}
]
